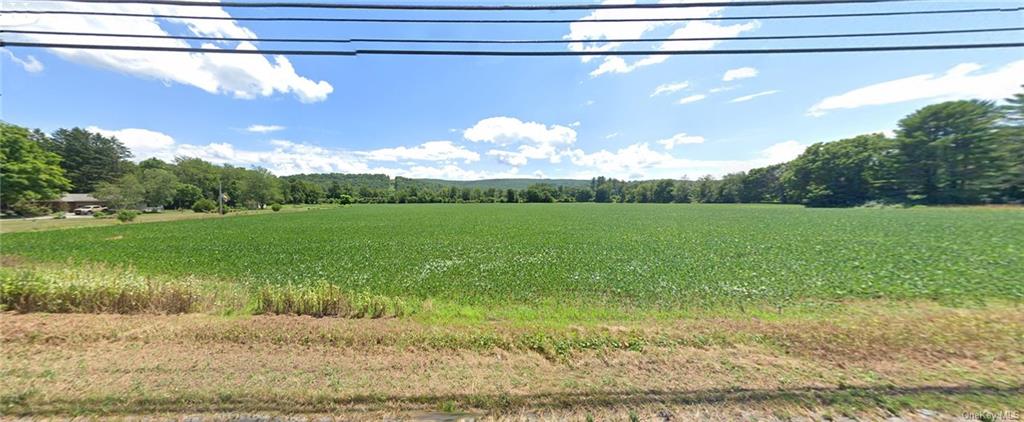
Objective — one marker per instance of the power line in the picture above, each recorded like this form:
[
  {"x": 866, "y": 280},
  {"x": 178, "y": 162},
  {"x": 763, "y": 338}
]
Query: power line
[
  {"x": 516, "y": 21},
  {"x": 563, "y": 41},
  {"x": 374, "y": 6},
  {"x": 520, "y": 53}
]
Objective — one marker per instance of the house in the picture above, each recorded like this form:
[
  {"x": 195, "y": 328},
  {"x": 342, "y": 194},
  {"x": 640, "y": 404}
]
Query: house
[{"x": 71, "y": 201}]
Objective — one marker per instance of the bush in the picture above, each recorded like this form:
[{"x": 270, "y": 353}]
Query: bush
[
  {"x": 60, "y": 216},
  {"x": 275, "y": 206},
  {"x": 100, "y": 214},
  {"x": 126, "y": 216},
  {"x": 29, "y": 209},
  {"x": 204, "y": 205},
  {"x": 345, "y": 200}
]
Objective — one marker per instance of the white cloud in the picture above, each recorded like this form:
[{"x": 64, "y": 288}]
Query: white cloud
[
  {"x": 752, "y": 96},
  {"x": 29, "y": 63},
  {"x": 739, "y": 73},
  {"x": 589, "y": 102},
  {"x": 240, "y": 75},
  {"x": 427, "y": 151},
  {"x": 669, "y": 88},
  {"x": 722, "y": 89},
  {"x": 680, "y": 139},
  {"x": 962, "y": 81},
  {"x": 285, "y": 157},
  {"x": 264, "y": 128},
  {"x": 143, "y": 143},
  {"x": 504, "y": 130},
  {"x": 611, "y": 135},
  {"x": 575, "y": 124},
  {"x": 598, "y": 31},
  {"x": 691, "y": 99},
  {"x": 639, "y": 161},
  {"x": 536, "y": 141}
]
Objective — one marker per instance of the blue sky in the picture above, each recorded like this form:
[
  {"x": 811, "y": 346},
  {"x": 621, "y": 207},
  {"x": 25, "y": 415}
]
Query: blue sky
[{"x": 470, "y": 117}]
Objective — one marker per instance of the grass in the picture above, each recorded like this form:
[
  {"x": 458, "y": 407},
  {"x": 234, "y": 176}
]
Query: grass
[
  {"x": 526, "y": 257},
  {"x": 97, "y": 288},
  {"x": 869, "y": 359},
  {"x": 608, "y": 312}
]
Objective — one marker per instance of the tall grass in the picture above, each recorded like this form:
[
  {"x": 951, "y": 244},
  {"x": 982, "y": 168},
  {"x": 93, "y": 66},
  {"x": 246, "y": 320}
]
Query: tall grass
[
  {"x": 66, "y": 290},
  {"x": 322, "y": 300},
  {"x": 102, "y": 289}
]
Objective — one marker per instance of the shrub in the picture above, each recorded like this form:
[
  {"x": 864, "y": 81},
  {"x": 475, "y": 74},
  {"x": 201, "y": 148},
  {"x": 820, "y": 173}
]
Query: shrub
[
  {"x": 275, "y": 206},
  {"x": 345, "y": 199},
  {"x": 204, "y": 205},
  {"x": 29, "y": 209},
  {"x": 126, "y": 216},
  {"x": 60, "y": 216},
  {"x": 100, "y": 214}
]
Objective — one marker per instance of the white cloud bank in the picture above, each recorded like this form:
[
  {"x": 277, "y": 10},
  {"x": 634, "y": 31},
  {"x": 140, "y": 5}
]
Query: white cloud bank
[
  {"x": 639, "y": 161},
  {"x": 243, "y": 76},
  {"x": 533, "y": 141},
  {"x": 443, "y": 159},
  {"x": 963, "y": 81},
  {"x": 598, "y": 31},
  {"x": 286, "y": 157},
  {"x": 739, "y": 73}
]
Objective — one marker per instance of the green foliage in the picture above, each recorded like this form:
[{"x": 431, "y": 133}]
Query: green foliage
[
  {"x": 541, "y": 192},
  {"x": 275, "y": 206},
  {"x": 88, "y": 158},
  {"x": 204, "y": 205},
  {"x": 126, "y": 192},
  {"x": 29, "y": 209},
  {"x": 834, "y": 173},
  {"x": 127, "y": 216},
  {"x": 629, "y": 255},
  {"x": 945, "y": 153},
  {"x": 185, "y": 195},
  {"x": 159, "y": 186},
  {"x": 27, "y": 172}
]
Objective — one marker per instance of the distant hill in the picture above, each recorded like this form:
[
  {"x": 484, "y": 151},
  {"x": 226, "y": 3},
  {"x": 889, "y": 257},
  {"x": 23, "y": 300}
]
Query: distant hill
[
  {"x": 382, "y": 181},
  {"x": 502, "y": 183},
  {"x": 372, "y": 181}
]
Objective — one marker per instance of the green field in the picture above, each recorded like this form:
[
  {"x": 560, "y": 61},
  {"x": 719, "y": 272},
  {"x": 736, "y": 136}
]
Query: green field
[{"x": 583, "y": 254}]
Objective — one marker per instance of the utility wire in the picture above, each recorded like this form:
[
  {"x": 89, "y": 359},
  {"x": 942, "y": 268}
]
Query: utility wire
[
  {"x": 517, "y": 21},
  {"x": 563, "y": 41},
  {"x": 519, "y": 53},
  {"x": 477, "y": 7}
]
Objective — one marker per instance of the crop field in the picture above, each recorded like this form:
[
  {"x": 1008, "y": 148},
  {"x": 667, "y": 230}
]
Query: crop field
[
  {"x": 643, "y": 255},
  {"x": 569, "y": 311}
]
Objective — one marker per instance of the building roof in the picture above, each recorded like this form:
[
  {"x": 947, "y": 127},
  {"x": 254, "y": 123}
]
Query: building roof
[{"x": 78, "y": 197}]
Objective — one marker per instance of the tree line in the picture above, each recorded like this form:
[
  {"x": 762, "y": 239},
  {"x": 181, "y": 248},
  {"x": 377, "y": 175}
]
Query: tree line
[{"x": 955, "y": 152}]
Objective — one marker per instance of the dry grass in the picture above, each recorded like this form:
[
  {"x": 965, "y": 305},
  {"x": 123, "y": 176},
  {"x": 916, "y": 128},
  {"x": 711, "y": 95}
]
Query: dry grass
[
  {"x": 68, "y": 364},
  {"x": 96, "y": 288}
]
